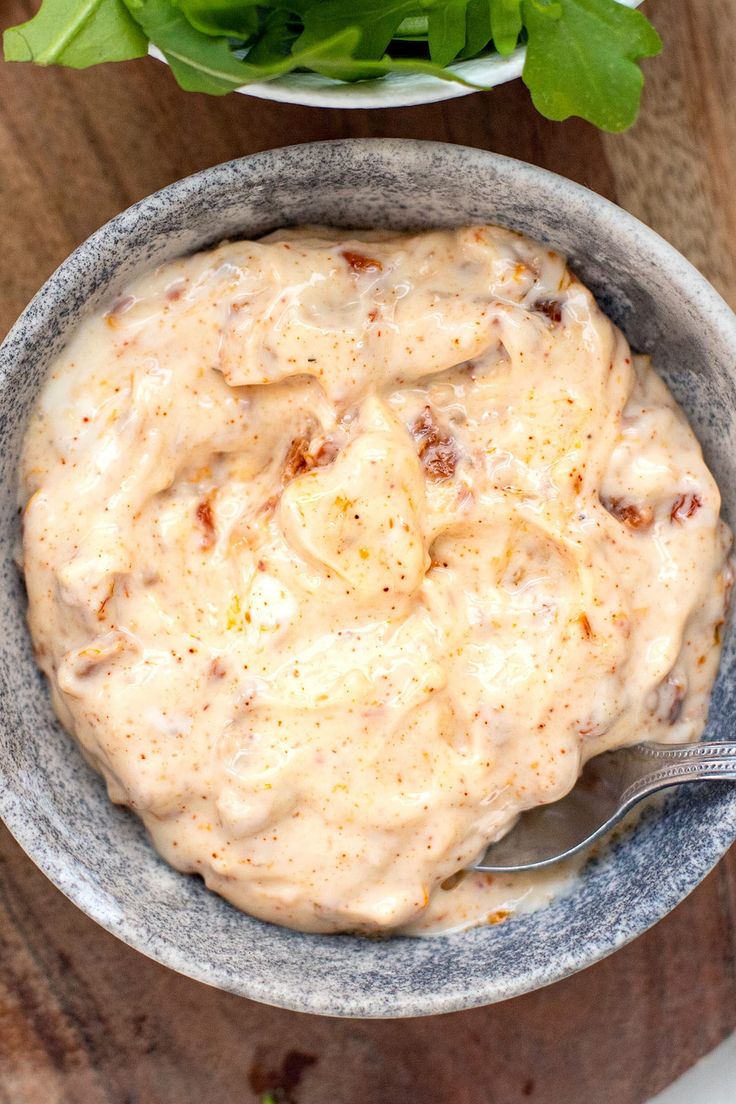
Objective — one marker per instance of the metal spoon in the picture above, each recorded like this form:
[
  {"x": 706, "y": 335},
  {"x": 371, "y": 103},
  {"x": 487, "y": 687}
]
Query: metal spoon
[{"x": 609, "y": 787}]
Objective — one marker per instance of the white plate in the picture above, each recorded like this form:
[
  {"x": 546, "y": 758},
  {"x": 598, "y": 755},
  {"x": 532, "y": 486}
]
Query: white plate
[{"x": 710, "y": 1081}]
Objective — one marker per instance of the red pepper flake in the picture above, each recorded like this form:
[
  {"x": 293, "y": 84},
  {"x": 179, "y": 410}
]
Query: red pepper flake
[
  {"x": 101, "y": 609},
  {"x": 633, "y": 517},
  {"x": 585, "y": 626},
  {"x": 207, "y": 521},
  {"x": 437, "y": 450},
  {"x": 217, "y": 669},
  {"x": 684, "y": 506},
  {"x": 358, "y": 263}
]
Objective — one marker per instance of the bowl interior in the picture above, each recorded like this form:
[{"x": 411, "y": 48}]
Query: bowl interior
[{"x": 98, "y": 854}]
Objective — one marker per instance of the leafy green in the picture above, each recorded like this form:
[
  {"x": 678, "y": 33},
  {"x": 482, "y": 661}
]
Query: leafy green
[
  {"x": 202, "y": 63},
  {"x": 478, "y": 28},
  {"x": 377, "y": 20},
  {"x": 506, "y": 24},
  {"x": 77, "y": 33},
  {"x": 447, "y": 31},
  {"x": 276, "y": 40},
  {"x": 414, "y": 27},
  {"x": 367, "y": 70},
  {"x": 235, "y": 18},
  {"x": 581, "y": 59}
]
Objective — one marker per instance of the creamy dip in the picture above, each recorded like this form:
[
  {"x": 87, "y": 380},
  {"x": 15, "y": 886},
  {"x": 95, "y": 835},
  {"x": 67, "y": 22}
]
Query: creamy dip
[{"x": 341, "y": 552}]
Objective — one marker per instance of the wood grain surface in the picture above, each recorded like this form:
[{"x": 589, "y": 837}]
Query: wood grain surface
[{"x": 85, "y": 1019}]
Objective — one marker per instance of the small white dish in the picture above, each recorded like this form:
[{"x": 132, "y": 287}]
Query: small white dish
[{"x": 393, "y": 90}]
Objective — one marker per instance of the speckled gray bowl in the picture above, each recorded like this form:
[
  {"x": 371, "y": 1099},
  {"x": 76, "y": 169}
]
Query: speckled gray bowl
[{"x": 98, "y": 854}]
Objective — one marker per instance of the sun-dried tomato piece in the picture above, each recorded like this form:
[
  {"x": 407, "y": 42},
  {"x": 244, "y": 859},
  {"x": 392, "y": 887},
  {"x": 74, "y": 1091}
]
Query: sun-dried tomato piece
[
  {"x": 631, "y": 515},
  {"x": 358, "y": 262},
  {"x": 437, "y": 450},
  {"x": 552, "y": 308},
  {"x": 684, "y": 506},
  {"x": 296, "y": 459},
  {"x": 206, "y": 519},
  {"x": 300, "y": 457},
  {"x": 440, "y": 459}
]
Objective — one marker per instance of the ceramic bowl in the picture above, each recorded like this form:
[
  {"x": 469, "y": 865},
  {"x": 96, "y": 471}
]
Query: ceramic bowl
[
  {"x": 393, "y": 90},
  {"x": 98, "y": 854}
]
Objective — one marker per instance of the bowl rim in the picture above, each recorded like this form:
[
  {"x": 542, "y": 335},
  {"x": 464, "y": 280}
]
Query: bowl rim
[{"x": 480, "y": 990}]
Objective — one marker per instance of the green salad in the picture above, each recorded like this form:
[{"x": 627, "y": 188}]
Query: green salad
[{"x": 581, "y": 55}]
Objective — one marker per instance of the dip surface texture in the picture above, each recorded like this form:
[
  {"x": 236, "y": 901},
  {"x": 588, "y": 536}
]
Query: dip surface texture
[{"x": 341, "y": 552}]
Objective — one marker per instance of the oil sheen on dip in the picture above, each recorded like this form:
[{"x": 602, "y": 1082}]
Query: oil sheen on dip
[{"x": 341, "y": 551}]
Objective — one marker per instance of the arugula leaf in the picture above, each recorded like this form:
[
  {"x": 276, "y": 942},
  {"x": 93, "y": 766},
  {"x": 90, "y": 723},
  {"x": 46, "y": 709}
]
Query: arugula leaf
[
  {"x": 581, "y": 59},
  {"x": 77, "y": 34},
  {"x": 275, "y": 41},
  {"x": 478, "y": 30},
  {"x": 366, "y": 69},
  {"x": 377, "y": 21},
  {"x": 296, "y": 7},
  {"x": 414, "y": 27},
  {"x": 235, "y": 18},
  {"x": 447, "y": 30},
  {"x": 201, "y": 63},
  {"x": 506, "y": 24}
]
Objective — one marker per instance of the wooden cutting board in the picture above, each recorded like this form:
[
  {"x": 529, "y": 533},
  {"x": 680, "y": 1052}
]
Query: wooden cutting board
[{"x": 86, "y": 1020}]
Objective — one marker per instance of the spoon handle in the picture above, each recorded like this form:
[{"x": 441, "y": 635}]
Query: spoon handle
[{"x": 663, "y": 765}]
